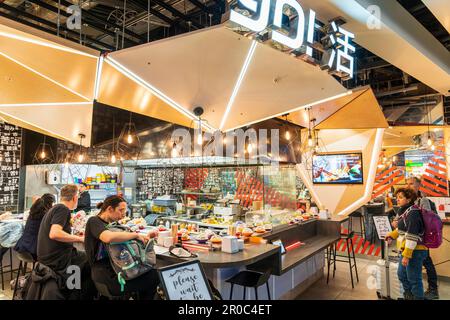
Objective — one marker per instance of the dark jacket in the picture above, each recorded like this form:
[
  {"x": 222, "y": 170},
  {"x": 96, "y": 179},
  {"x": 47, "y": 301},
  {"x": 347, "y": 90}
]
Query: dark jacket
[
  {"x": 44, "y": 284},
  {"x": 84, "y": 202},
  {"x": 28, "y": 241}
]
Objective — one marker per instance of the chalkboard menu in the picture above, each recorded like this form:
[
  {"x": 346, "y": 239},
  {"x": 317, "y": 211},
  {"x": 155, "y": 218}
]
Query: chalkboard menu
[{"x": 10, "y": 147}]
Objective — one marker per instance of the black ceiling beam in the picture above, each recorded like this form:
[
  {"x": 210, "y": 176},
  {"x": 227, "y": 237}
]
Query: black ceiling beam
[
  {"x": 176, "y": 13},
  {"x": 103, "y": 21},
  {"x": 38, "y": 27},
  {"x": 156, "y": 13},
  {"x": 51, "y": 24},
  {"x": 92, "y": 25},
  {"x": 201, "y": 6}
]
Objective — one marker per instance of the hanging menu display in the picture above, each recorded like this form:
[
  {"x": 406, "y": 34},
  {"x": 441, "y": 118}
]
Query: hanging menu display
[
  {"x": 10, "y": 146},
  {"x": 158, "y": 182}
]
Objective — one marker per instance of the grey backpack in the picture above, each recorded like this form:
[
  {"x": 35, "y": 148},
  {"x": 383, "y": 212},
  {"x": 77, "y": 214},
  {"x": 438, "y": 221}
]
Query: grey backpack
[{"x": 130, "y": 259}]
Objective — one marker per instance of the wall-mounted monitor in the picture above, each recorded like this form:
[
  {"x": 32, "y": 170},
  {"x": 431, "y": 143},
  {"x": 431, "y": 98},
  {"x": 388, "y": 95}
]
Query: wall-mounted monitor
[{"x": 337, "y": 168}]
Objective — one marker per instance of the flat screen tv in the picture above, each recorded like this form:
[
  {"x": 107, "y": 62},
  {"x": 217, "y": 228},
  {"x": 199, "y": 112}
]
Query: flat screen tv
[{"x": 338, "y": 168}]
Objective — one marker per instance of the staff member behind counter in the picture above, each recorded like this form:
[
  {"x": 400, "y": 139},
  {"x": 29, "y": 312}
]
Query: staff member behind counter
[
  {"x": 97, "y": 234},
  {"x": 84, "y": 201}
]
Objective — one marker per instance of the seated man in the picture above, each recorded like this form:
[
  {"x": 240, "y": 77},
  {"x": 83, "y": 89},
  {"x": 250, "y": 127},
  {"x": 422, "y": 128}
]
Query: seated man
[{"x": 55, "y": 242}]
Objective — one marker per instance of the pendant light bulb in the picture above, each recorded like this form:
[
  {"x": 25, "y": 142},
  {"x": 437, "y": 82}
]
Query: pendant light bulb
[
  {"x": 66, "y": 164},
  {"x": 250, "y": 148},
  {"x": 429, "y": 142},
  {"x": 113, "y": 158},
  {"x": 80, "y": 157},
  {"x": 43, "y": 155},
  {"x": 433, "y": 147},
  {"x": 199, "y": 139},
  {"x": 310, "y": 140},
  {"x": 129, "y": 138},
  {"x": 288, "y": 135}
]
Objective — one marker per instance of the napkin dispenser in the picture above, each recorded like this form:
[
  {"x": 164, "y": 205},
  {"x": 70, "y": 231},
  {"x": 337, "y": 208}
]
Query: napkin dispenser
[{"x": 230, "y": 244}]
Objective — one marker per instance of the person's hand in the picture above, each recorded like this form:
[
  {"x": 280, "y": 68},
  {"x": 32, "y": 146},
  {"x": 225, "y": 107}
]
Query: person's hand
[
  {"x": 81, "y": 239},
  {"x": 153, "y": 234},
  {"x": 405, "y": 261},
  {"x": 142, "y": 238},
  {"x": 389, "y": 239},
  {"x": 395, "y": 224}
]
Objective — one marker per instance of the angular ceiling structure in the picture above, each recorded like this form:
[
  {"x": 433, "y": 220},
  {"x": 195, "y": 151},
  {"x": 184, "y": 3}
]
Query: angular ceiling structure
[
  {"x": 46, "y": 83},
  {"x": 357, "y": 110},
  {"x": 236, "y": 80}
]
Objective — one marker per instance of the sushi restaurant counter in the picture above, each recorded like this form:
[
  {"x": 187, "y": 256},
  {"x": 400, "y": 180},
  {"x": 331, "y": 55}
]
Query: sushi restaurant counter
[{"x": 291, "y": 273}]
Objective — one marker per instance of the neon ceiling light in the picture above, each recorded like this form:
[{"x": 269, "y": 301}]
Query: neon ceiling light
[
  {"x": 45, "y": 104},
  {"x": 247, "y": 61},
  {"x": 43, "y": 76},
  {"x": 98, "y": 76},
  {"x": 371, "y": 177},
  {"x": 349, "y": 92},
  {"x": 154, "y": 90},
  {"x": 45, "y": 44}
]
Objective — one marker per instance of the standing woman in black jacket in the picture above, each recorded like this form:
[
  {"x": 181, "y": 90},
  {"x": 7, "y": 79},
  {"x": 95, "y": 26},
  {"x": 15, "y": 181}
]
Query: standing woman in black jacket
[{"x": 28, "y": 242}]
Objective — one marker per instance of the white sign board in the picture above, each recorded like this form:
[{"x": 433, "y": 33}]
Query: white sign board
[
  {"x": 383, "y": 226},
  {"x": 185, "y": 281},
  {"x": 442, "y": 206}
]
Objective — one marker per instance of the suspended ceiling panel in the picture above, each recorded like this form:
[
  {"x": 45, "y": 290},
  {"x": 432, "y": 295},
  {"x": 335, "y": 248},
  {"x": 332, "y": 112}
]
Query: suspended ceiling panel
[
  {"x": 362, "y": 112},
  {"x": 402, "y": 136},
  {"x": 400, "y": 39},
  {"x": 60, "y": 121},
  {"x": 441, "y": 10},
  {"x": 72, "y": 68},
  {"x": 202, "y": 69},
  {"x": 116, "y": 89},
  {"x": 19, "y": 85},
  {"x": 277, "y": 83},
  {"x": 322, "y": 111}
]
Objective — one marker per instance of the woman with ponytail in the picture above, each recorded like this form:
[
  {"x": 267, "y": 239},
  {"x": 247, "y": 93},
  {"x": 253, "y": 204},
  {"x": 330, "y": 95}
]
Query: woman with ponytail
[
  {"x": 28, "y": 242},
  {"x": 111, "y": 210}
]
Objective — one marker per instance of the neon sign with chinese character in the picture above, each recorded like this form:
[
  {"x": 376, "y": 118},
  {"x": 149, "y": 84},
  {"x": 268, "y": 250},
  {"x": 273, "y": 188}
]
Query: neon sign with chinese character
[{"x": 292, "y": 35}]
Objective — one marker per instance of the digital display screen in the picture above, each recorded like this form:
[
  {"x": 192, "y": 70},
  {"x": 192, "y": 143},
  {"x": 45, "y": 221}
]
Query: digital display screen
[{"x": 345, "y": 168}]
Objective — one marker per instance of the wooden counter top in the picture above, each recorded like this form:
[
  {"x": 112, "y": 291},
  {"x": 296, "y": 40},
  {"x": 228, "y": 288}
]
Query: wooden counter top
[{"x": 217, "y": 259}]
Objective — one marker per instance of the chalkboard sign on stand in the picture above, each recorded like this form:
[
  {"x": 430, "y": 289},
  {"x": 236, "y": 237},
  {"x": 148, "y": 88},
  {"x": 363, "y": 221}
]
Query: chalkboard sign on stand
[
  {"x": 185, "y": 281},
  {"x": 10, "y": 148}
]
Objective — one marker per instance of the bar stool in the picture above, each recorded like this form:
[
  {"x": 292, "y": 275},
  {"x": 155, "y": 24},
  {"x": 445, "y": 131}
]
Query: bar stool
[
  {"x": 3, "y": 251},
  {"x": 24, "y": 259},
  {"x": 360, "y": 216},
  {"x": 250, "y": 279},
  {"x": 332, "y": 257}
]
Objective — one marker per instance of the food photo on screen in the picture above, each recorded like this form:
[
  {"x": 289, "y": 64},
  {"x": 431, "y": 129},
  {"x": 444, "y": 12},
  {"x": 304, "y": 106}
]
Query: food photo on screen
[{"x": 338, "y": 168}]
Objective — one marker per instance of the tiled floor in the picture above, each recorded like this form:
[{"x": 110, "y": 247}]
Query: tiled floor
[{"x": 340, "y": 288}]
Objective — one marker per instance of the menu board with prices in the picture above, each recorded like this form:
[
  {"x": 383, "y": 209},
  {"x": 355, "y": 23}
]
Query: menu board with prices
[{"x": 10, "y": 148}]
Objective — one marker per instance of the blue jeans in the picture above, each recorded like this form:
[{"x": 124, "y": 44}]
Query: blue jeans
[{"x": 411, "y": 275}]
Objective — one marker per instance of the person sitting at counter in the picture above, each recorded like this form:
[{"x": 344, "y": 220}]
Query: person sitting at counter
[
  {"x": 412, "y": 251},
  {"x": 111, "y": 210},
  {"x": 55, "y": 242},
  {"x": 28, "y": 242}
]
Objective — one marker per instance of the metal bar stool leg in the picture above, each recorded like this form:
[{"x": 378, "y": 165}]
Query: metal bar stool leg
[
  {"x": 334, "y": 258},
  {"x": 11, "y": 263},
  {"x": 268, "y": 290},
  {"x": 256, "y": 293},
  {"x": 350, "y": 261},
  {"x": 354, "y": 261},
  {"x": 17, "y": 279},
  {"x": 1, "y": 273},
  {"x": 245, "y": 291},
  {"x": 328, "y": 262},
  {"x": 231, "y": 292}
]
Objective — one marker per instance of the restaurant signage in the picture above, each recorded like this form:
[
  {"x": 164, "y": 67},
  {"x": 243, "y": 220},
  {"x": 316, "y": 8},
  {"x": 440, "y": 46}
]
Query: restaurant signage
[{"x": 263, "y": 15}]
